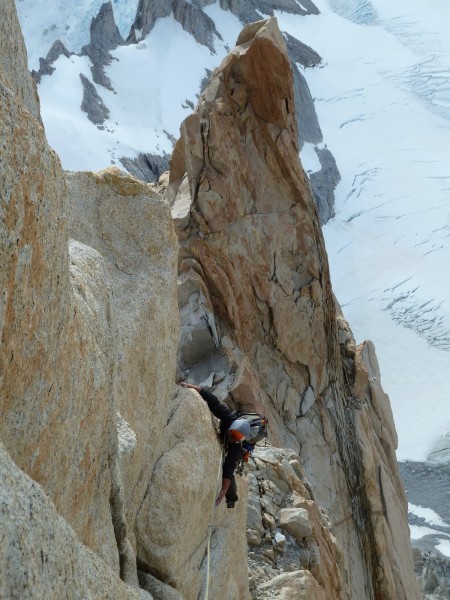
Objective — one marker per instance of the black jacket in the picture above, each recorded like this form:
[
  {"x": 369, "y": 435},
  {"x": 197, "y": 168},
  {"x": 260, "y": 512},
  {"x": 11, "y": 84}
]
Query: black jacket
[{"x": 233, "y": 451}]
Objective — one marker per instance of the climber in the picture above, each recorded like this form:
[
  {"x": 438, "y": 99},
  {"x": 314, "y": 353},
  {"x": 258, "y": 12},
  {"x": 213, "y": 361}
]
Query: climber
[{"x": 238, "y": 437}]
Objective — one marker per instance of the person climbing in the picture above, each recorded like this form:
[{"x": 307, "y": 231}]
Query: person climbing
[{"x": 238, "y": 436}]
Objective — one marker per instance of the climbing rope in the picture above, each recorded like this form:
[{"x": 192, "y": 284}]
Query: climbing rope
[
  {"x": 213, "y": 510},
  {"x": 207, "y": 536}
]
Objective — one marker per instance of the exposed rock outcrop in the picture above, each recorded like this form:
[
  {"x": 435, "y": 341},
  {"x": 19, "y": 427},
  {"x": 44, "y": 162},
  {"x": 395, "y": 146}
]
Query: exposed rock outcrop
[
  {"x": 126, "y": 467},
  {"x": 92, "y": 104},
  {"x": 250, "y": 10},
  {"x": 291, "y": 539},
  {"x": 308, "y": 122},
  {"x": 147, "y": 167},
  {"x": 300, "y": 52},
  {"x": 104, "y": 36},
  {"x": 46, "y": 64},
  {"x": 188, "y": 14},
  {"x": 40, "y": 554},
  {"x": 324, "y": 181},
  {"x": 254, "y": 290},
  {"x": 434, "y": 575},
  {"x": 14, "y": 63},
  {"x": 323, "y": 184}
]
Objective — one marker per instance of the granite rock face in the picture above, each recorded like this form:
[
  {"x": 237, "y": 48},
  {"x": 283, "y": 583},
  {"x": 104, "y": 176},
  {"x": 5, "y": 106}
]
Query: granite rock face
[
  {"x": 259, "y": 325},
  {"x": 293, "y": 550},
  {"x": 14, "y": 62},
  {"x": 108, "y": 470},
  {"x": 107, "y": 465},
  {"x": 40, "y": 554}
]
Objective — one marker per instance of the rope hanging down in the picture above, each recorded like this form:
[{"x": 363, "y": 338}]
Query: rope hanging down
[
  {"x": 208, "y": 551},
  {"x": 207, "y": 536}
]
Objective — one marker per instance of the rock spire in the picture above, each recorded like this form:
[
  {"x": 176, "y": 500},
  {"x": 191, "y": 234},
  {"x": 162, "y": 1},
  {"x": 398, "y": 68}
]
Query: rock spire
[{"x": 258, "y": 318}]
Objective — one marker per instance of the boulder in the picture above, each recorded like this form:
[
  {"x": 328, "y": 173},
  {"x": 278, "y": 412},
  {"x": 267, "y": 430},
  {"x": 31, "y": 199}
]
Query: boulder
[
  {"x": 296, "y": 522},
  {"x": 296, "y": 585}
]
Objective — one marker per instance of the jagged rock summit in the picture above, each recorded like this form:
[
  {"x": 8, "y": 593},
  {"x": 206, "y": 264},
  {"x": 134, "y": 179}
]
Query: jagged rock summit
[{"x": 108, "y": 470}]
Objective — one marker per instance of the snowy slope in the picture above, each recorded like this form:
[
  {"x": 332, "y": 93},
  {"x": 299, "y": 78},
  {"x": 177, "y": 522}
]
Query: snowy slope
[
  {"x": 383, "y": 98},
  {"x": 45, "y": 21},
  {"x": 155, "y": 82}
]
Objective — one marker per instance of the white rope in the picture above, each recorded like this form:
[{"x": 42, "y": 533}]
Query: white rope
[
  {"x": 208, "y": 551},
  {"x": 208, "y": 535}
]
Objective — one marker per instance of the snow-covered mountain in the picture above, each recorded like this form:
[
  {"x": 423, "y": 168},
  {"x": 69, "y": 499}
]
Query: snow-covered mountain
[
  {"x": 124, "y": 75},
  {"x": 379, "y": 73}
]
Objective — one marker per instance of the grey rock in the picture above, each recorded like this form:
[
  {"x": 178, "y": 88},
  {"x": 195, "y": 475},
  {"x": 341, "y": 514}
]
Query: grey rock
[
  {"x": 105, "y": 36},
  {"x": 46, "y": 64},
  {"x": 433, "y": 573},
  {"x": 250, "y": 10},
  {"x": 188, "y": 104},
  {"x": 197, "y": 340},
  {"x": 307, "y": 401},
  {"x": 92, "y": 104},
  {"x": 324, "y": 183},
  {"x": 148, "y": 11},
  {"x": 254, "y": 521},
  {"x": 205, "y": 80},
  {"x": 147, "y": 167},
  {"x": 300, "y": 52},
  {"x": 158, "y": 589},
  {"x": 245, "y": 11},
  {"x": 296, "y": 522},
  {"x": 202, "y": 3},
  {"x": 308, "y": 124},
  {"x": 189, "y": 15},
  {"x": 196, "y": 22},
  {"x": 427, "y": 486}
]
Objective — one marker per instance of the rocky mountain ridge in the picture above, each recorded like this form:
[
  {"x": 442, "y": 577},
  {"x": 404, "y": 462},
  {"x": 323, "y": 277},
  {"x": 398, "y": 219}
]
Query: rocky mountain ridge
[{"x": 108, "y": 469}]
